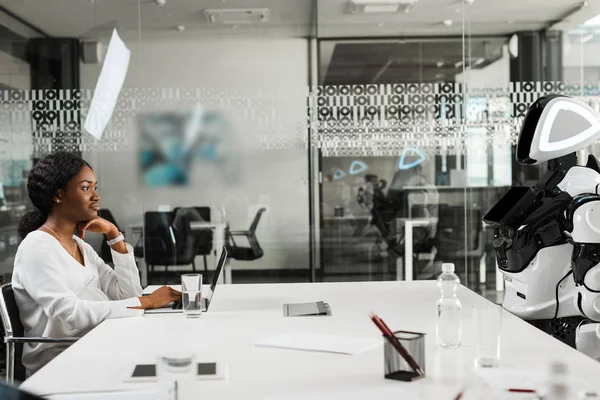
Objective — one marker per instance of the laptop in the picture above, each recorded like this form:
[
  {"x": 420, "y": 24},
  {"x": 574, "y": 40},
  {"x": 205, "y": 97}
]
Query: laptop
[{"x": 206, "y": 300}]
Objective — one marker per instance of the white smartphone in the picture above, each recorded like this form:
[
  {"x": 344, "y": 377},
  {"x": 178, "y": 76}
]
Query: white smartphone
[{"x": 204, "y": 371}]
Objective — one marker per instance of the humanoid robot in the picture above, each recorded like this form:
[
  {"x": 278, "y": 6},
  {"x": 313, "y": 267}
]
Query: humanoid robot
[{"x": 547, "y": 237}]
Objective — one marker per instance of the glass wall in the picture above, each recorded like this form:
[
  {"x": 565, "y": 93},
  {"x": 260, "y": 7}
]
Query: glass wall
[
  {"x": 407, "y": 162},
  {"x": 316, "y": 140}
]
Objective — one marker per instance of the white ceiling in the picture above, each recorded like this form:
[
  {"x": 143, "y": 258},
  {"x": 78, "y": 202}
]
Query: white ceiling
[
  {"x": 94, "y": 18},
  {"x": 289, "y": 18},
  {"x": 483, "y": 17}
]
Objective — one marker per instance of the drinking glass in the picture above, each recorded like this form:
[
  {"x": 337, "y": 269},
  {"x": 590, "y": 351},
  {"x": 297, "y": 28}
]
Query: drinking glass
[
  {"x": 487, "y": 323},
  {"x": 172, "y": 370},
  {"x": 191, "y": 294}
]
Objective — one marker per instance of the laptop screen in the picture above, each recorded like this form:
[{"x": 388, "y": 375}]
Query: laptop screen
[{"x": 217, "y": 274}]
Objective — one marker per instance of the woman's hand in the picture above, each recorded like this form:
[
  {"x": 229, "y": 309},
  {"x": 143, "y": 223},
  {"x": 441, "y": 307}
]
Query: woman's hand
[
  {"x": 159, "y": 298},
  {"x": 98, "y": 225}
]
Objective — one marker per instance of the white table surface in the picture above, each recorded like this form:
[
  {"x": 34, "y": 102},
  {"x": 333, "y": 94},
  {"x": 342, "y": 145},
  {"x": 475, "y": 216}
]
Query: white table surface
[{"x": 243, "y": 314}]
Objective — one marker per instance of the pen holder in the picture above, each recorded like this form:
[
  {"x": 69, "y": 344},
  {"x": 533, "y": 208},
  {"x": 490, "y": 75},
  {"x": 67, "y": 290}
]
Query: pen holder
[{"x": 396, "y": 367}]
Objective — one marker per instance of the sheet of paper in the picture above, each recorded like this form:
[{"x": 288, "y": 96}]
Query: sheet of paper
[
  {"x": 108, "y": 87},
  {"x": 319, "y": 342},
  {"x": 535, "y": 378},
  {"x": 404, "y": 391},
  {"x": 116, "y": 395}
]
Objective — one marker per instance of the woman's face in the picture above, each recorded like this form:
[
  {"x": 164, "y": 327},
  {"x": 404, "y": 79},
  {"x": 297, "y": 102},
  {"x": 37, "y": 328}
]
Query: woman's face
[{"x": 79, "y": 199}]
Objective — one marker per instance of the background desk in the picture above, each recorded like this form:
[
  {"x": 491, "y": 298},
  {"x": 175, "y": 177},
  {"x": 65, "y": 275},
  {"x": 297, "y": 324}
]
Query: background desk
[{"x": 242, "y": 314}]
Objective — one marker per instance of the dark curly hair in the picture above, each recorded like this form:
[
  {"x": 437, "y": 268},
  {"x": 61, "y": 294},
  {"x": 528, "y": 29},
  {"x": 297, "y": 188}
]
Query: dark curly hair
[{"x": 51, "y": 173}]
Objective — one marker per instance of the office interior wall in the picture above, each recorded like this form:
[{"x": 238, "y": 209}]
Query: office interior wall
[{"x": 268, "y": 75}]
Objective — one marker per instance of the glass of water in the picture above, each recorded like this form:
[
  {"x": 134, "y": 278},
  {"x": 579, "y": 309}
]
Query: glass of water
[
  {"x": 487, "y": 321},
  {"x": 191, "y": 295},
  {"x": 172, "y": 371},
  {"x": 175, "y": 367}
]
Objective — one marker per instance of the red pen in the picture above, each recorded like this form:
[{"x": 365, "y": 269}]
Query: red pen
[
  {"x": 389, "y": 335},
  {"x": 521, "y": 390}
]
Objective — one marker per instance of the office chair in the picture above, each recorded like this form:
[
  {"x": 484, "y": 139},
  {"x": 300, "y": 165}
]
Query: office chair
[
  {"x": 163, "y": 245},
  {"x": 246, "y": 253},
  {"x": 459, "y": 239},
  {"x": 14, "y": 335},
  {"x": 204, "y": 238}
]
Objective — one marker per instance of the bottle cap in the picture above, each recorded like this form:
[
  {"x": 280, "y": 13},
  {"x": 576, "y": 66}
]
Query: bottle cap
[{"x": 448, "y": 268}]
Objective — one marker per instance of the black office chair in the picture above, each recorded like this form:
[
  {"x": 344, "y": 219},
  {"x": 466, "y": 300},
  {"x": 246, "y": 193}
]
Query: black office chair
[
  {"x": 459, "y": 237},
  {"x": 246, "y": 253},
  {"x": 163, "y": 245},
  {"x": 105, "y": 253},
  {"x": 204, "y": 238},
  {"x": 14, "y": 336}
]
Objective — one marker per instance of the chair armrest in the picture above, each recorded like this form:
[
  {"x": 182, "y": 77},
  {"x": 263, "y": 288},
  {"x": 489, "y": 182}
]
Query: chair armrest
[
  {"x": 239, "y": 233},
  {"x": 40, "y": 340}
]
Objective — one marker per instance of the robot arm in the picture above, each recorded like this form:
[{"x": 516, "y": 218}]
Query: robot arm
[{"x": 582, "y": 222}]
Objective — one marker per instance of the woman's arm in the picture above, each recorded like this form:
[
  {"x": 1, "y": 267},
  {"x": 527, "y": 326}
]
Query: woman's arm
[
  {"x": 124, "y": 281},
  {"x": 47, "y": 281}
]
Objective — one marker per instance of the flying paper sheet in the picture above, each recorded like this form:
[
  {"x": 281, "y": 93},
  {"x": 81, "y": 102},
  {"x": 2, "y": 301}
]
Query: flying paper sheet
[{"x": 108, "y": 86}]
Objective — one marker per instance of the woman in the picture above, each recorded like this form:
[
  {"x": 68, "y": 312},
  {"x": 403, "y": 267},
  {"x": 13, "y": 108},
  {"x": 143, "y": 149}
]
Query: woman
[{"x": 61, "y": 286}]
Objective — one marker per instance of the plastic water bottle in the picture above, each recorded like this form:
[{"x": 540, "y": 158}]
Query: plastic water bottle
[{"x": 449, "y": 323}]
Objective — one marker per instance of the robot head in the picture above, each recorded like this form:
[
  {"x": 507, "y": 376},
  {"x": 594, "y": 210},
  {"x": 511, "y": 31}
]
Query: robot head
[{"x": 555, "y": 126}]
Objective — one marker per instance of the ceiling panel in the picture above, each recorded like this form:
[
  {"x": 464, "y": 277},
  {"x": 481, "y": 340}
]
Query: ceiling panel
[
  {"x": 85, "y": 18},
  {"x": 408, "y": 61},
  {"x": 483, "y": 17},
  {"x": 291, "y": 18}
]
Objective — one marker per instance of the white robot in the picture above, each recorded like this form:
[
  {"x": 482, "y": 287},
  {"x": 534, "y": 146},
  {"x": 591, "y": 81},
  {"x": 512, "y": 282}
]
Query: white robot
[{"x": 547, "y": 237}]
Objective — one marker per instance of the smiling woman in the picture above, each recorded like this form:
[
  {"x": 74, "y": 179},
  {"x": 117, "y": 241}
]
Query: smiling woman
[{"x": 62, "y": 287}]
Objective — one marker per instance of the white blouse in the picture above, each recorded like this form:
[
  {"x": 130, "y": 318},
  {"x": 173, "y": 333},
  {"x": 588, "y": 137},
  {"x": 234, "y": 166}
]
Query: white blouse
[{"x": 59, "y": 297}]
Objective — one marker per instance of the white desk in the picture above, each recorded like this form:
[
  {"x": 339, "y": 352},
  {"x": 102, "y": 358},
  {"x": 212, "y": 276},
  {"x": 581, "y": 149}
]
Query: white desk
[
  {"x": 218, "y": 243},
  {"x": 242, "y": 314}
]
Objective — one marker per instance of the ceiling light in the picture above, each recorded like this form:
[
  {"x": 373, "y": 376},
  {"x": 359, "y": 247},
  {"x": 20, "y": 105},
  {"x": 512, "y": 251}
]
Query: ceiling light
[
  {"x": 160, "y": 2},
  {"x": 469, "y": 1},
  {"x": 458, "y": 64},
  {"x": 440, "y": 64},
  {"x": 479, "y": 61},
  {"x": 380, "y": 6},
  {"x": 447, "y": 22},
  {"x": 180, "y": 28},
  {"x": 237, "y": 15}
]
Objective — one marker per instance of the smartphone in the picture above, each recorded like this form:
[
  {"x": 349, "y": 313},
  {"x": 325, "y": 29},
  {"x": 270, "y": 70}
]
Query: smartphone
[{"x": 147, "y": 372}]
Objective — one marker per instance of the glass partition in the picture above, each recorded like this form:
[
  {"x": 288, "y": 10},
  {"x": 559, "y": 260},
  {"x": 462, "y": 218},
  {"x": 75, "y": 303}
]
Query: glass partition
[{"x": 318, "y": 140}]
